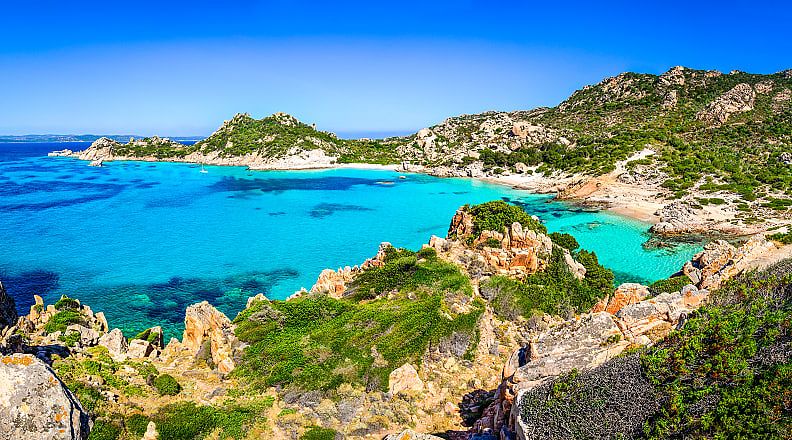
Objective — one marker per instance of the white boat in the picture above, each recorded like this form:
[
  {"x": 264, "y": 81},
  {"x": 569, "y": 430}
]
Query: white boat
[{"x": 203, "y": 170}]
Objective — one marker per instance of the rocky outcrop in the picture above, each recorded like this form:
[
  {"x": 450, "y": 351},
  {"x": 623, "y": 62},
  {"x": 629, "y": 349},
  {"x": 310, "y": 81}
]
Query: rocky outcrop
[
  {"x": 720, "y": 261},
  {"x": 405, "y": 380},
  {"x": 116, "y": 344},
  {"x": 628, "y": 317},
  {"x": 625, "y": 318},
  {"x": 8, "y": 313},
  {"x": 678, "y": 218},
  {"x": 34, "y": 404},
  {"x": 515, "y": 251},
  {"x": 207, "y": 327},
  {"x": 625, "y": 294},
  {"x": 737, "y": 100}
]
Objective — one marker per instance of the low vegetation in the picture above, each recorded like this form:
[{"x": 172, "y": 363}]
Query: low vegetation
[
  {"x": 726, "y": 374},
  {"x": 167, "y": 385},
  {"x": 555, "y": 291},
  {"x": 395, "y": 314},
  {"x": 497, "y": 215}
]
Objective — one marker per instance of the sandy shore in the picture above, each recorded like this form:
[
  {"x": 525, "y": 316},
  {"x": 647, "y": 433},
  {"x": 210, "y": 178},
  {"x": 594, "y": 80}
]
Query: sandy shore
[{"x": 605, "y": 192}]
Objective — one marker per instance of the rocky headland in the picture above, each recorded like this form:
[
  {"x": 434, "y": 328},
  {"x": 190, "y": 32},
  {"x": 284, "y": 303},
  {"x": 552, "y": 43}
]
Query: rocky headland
[{"x": 457, "y": 339}]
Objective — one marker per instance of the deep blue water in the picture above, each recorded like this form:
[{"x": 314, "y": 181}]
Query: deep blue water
[{"x": 142, "y": 241}]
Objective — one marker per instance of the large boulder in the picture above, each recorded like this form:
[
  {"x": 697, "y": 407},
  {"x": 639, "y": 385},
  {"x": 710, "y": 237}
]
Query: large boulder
[
  {"x": 115, "y": 343},
  {"x": 34, "y": 403},
  {"x": 8, "y": 314},
  {"x": 205, "y": 325},
  {"x": 405, "y": 380}
]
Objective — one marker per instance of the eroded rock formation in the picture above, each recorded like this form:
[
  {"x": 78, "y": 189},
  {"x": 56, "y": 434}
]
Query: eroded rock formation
[{"x": 205, "y": 326}]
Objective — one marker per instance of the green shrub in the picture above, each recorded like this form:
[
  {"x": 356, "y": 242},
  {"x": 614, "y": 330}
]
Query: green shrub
[
  {"x": 318, "y": 342},
  {"x": 427, "y": 253},
  {"x": 103, "y": 430},
  {"x": 70, "y": 338},
  {"x": 167, "y": 385},
  {"x": 188, "y": 421},
  {"x": 727, "y": 373},
  {"x": 403, "y": 272},
  {"x": 63, "y": 319},
  {"x": 497, "y": 215},
  {"x": 67, "y": 303},
  {"x": 492, "y": 242},
  {"x": 149, "y": 335},
  {"x": 782, "y": 238},
  {"x": 670, "y": 285},
  {"x": 555, "y": 291},
  {"x": 137, "y": 424},
  {"x": 566, "y": 241},
  {"x": 318, "y": 433}
]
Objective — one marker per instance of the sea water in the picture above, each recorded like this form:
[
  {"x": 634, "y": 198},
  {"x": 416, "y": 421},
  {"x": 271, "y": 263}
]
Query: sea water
[{"x": 142, "y": 241}]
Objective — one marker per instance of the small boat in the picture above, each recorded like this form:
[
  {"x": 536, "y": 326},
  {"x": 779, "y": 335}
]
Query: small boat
[{"x": 203, "y": 170}]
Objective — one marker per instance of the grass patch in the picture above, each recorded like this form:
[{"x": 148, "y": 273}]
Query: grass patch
[{"x": 317, "y": 342}]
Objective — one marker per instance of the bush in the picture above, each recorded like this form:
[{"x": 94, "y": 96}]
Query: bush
[
  {"x": 67, "y": 303},
  {"x": 167, "y": 385},
  {"x": 318, "y": 433},
  {"x": 188, "y": 421},
  {"x": 137, "y": 424},
  {"x": 670, "y": 285},
  {"x": 70, "y": 338},
  {"x": 555, "y": 291},
  {"x": 566, "y": 241},
  {"x": 104, "y": 431},
  {"x": 497, "y": 215},
  {"x": 318, "y": 342},
  {"x": 63, "y": 319},
  {"x": 403, "y": 272},
  {"x": 728, "y": 372},
  {"x": 782, "y": 238},
  {"x": 427, "y": 253}
]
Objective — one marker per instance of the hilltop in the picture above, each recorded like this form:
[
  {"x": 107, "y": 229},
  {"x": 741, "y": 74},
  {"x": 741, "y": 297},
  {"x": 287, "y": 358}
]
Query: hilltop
[{"x": 695, "y": 151}]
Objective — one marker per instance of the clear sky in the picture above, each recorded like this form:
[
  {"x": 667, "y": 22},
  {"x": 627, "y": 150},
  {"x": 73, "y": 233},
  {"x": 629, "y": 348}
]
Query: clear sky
[{"x": 180, "y": 68}]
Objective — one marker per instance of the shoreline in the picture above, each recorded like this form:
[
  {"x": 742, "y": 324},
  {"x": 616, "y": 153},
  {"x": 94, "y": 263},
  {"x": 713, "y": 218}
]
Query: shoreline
[
  {"x": 532, "y": 184},
  {"x": 602, "y": 193}
]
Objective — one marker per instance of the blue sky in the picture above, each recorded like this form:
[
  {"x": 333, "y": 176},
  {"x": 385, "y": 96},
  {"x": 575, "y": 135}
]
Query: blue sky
[{"x": 180, "y": 68}]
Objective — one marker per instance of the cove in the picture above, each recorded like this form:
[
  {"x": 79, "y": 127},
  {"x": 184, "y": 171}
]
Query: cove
[{"x": 142, "y": 241}]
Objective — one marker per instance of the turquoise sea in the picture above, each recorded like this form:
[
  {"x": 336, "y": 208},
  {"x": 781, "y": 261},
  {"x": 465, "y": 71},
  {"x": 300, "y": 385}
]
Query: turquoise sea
[{"x": 142, "y": 241}]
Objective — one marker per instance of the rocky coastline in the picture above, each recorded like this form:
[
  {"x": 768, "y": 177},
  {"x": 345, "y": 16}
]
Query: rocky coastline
[{"x": 476, "y": 396}]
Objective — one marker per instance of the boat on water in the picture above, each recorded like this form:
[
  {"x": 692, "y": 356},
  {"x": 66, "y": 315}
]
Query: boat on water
[{"x": 203, "y": 170}]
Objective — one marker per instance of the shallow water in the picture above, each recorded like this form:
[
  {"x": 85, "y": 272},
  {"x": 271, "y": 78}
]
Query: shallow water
[{"x": 141, "y": 241}]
